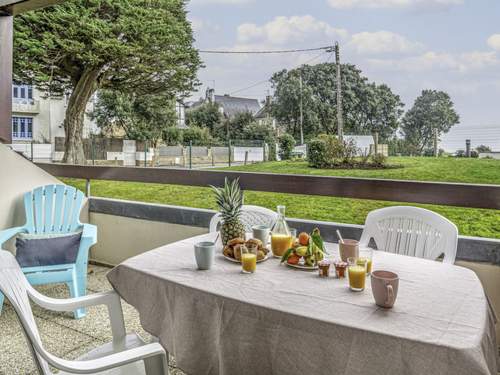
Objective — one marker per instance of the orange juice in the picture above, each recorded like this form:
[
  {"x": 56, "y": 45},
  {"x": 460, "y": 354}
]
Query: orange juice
[
  {"x": 357, "y": 277},
  {"x": 248, "y": 262},
  {"x": 361, "y": 262},
  {"x": 280, "y": 243}
]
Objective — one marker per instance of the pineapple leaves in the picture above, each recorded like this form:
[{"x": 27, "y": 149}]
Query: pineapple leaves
[{"x": 229, "y": 199}]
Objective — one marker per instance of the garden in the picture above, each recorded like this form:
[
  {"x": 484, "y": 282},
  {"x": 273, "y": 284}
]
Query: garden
[{"x": 471, "y": 222}]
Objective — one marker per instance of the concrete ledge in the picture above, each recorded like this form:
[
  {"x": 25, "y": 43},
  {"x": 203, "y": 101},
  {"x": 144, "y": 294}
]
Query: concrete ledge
[
  {"x": 472, "y": 249},
  {"x": 151, "y": 211}
]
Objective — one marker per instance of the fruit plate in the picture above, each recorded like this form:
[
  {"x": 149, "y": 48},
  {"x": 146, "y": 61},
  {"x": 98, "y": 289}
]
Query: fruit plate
[
  {"x": 302, "y": 267},
  {"x": 268, "y": 255}
]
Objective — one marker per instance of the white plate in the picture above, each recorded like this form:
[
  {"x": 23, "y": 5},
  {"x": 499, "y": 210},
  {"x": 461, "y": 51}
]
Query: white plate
[
  {"x": 268, "y": 255},
  {"x": 301, "y": 267}
]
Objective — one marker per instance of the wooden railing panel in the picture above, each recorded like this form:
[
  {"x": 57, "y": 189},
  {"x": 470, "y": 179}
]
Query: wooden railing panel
[{"x": 441, "y": 193}]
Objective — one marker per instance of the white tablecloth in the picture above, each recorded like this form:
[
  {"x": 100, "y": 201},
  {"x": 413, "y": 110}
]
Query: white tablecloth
[{"x": 286, "y": 321}]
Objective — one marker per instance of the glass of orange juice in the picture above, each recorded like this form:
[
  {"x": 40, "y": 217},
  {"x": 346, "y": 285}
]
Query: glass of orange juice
[
  {"x": 356, "y": 271},
  {"x": 248, "y": 259},
  {"x": 366, "y": 254}
]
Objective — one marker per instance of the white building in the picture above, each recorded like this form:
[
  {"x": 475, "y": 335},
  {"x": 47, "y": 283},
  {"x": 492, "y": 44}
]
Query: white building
[{"x": 38, "y": 118}]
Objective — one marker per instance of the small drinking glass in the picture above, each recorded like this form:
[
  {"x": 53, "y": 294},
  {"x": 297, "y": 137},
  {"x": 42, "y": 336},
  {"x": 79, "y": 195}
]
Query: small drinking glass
[
  {"x": 366, "y": 254},
  {"x": 293, "y": 233},
  {"x": 356, "y": 272},
  {"x": 248, "y": 259}
]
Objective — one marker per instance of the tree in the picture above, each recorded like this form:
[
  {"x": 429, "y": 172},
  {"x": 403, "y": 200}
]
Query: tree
[
  {"x": 234, "y": 128},
  {"x": 197, "y": 136},
  {"x": 206, "y": 115},
  {"x": 483, "y": 148},
  {"x": 431, "y": 110},
  {"x": 80, "y": 46},
  {"x": 143, "y": 118},
  {"x": 367, "y": 107},
  {"x": 287, "y": 143}
]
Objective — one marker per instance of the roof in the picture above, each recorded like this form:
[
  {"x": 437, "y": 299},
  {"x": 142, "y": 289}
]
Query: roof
[
  {"x": 233, "y": 105},
  {"x": 263, "y": 112}
]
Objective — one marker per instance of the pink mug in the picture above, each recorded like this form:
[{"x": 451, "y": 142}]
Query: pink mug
[{"x": 384, "y": 287}]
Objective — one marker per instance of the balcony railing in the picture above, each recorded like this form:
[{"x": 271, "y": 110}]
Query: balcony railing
[
  {"x": 26, "y": 106},
  {"x": 440, "y": 193}
]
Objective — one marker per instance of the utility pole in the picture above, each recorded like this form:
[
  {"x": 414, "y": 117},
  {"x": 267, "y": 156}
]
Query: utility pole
[
  {"x": 301, "y": 112},
  {"x": 340, "y": 118}
]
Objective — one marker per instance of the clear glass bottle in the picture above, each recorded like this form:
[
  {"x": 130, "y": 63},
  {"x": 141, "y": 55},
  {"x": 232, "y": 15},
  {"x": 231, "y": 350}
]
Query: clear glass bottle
[{"x": 281, "y": 239}]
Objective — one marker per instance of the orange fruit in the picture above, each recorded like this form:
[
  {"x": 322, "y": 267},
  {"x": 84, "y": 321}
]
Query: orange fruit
[
  {"x": 304, "y": 239},
  {"x": 293, "y": 259}
]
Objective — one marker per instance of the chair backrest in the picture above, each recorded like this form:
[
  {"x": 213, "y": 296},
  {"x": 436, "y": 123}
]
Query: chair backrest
[
  {"x": 53, "y": 209},
  {"x": 411, "y": 231},
  {"x": 14, "y": 286},
  {"x": 250, "y": 216}
]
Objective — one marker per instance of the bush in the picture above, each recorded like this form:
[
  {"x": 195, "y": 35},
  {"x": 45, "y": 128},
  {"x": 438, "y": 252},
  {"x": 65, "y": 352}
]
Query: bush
[
  {"x": 198, "y": 136},
  {"x": 326, "y": 151},
  {"x": 286, "y": 143},
  {"x": 172, "y": 136},
  {"x": 379, "y": 160},
  {"x": 474, "y": 154},
  {"x": 483, "y": 148},
  {"x": 460, "y": 154},
  {"x": 316, "y": 153}
]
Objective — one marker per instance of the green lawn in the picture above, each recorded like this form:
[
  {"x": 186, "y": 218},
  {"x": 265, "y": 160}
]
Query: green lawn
[
  {"x": 479, "y": 171},
  {"x": 472, "y": 222}
]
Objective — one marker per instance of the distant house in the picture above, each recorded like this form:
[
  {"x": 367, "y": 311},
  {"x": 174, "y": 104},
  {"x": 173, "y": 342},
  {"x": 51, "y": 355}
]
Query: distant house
[
  {"x": 229, "y": 106},
  {"x": 264, "y": 115}
]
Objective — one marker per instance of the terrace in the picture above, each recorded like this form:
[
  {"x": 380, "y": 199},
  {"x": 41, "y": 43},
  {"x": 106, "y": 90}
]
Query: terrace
[{"x": 127, "y": 228}]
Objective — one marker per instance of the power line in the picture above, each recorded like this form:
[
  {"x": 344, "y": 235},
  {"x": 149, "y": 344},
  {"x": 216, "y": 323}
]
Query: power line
[
  {"x": 267, "y": 80},
  {"x": 266, "y": 52}
]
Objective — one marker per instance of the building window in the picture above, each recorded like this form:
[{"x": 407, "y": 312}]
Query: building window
[
  {"x": 22, "y": 127},
  {"x": 22, "y": 93}
]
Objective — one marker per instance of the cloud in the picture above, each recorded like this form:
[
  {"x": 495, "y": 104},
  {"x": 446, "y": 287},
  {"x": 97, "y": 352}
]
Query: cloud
[
  {"x": 494, "y": 41},
  {"x": 220, "y": 2},
  {"x": 382, "y": 42},
  {"x": 401, "y": 4},
  {"x": 295, "y": 29},
  {"x": 437, "y": 61},
  {"x": 199, "y": 25}
]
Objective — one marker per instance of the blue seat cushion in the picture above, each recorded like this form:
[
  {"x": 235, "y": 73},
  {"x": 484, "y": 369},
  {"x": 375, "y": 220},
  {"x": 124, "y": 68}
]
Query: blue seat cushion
[{"x": 47, "y": 250}]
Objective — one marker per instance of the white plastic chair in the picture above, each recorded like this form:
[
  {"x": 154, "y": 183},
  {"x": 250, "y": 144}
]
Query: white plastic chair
[
  {"x": 411, "y": 231},
  {"x": 250, "y": 216},
  {"x": 126, "y": 354}
]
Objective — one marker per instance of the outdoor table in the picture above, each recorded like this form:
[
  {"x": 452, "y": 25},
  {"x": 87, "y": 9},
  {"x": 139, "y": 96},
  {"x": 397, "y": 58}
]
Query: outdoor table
[{"x": 281, "y": 320}]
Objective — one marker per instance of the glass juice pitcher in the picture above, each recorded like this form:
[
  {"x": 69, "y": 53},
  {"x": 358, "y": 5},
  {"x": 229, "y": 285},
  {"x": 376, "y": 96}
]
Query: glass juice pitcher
[{"x": 281, "y": 239}]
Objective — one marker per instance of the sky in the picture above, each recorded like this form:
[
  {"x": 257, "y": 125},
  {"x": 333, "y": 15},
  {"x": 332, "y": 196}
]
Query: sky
[{"x": 411, "y": 45}]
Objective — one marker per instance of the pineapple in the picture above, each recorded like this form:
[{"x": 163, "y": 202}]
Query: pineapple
[{"x": 229, "y": 200}]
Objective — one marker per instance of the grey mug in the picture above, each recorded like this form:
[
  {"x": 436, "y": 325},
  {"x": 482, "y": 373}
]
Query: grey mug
[
  {"x": 261, "y": 232},
  {"x": 204, "y": 252}
]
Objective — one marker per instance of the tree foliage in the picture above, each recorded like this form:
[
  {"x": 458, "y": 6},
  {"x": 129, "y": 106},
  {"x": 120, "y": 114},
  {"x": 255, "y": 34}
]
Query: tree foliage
[
  {"x": 367, "y": 107},
  {"x": 432, "y": 110},
  {"x": 206, "y": 116},
  {"x": 287, "y": 143},
  {"x": 141, "y": 117},
  {"x": 134, "y": 46},
  {"x": 483, "y": 148}
]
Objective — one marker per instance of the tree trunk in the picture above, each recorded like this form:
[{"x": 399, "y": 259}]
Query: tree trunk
[{"x": 75, "y": 113}]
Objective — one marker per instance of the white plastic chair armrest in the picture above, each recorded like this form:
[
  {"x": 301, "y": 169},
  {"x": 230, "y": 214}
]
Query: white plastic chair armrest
[
  {"x": 7, "y": 234},
  {"x": 105, "y": 363},
  {"x": 110, "y": 298}
]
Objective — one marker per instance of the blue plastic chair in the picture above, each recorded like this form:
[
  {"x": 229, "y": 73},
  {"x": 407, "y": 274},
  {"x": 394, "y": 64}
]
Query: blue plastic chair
[{"x": 55, "y": 209}]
